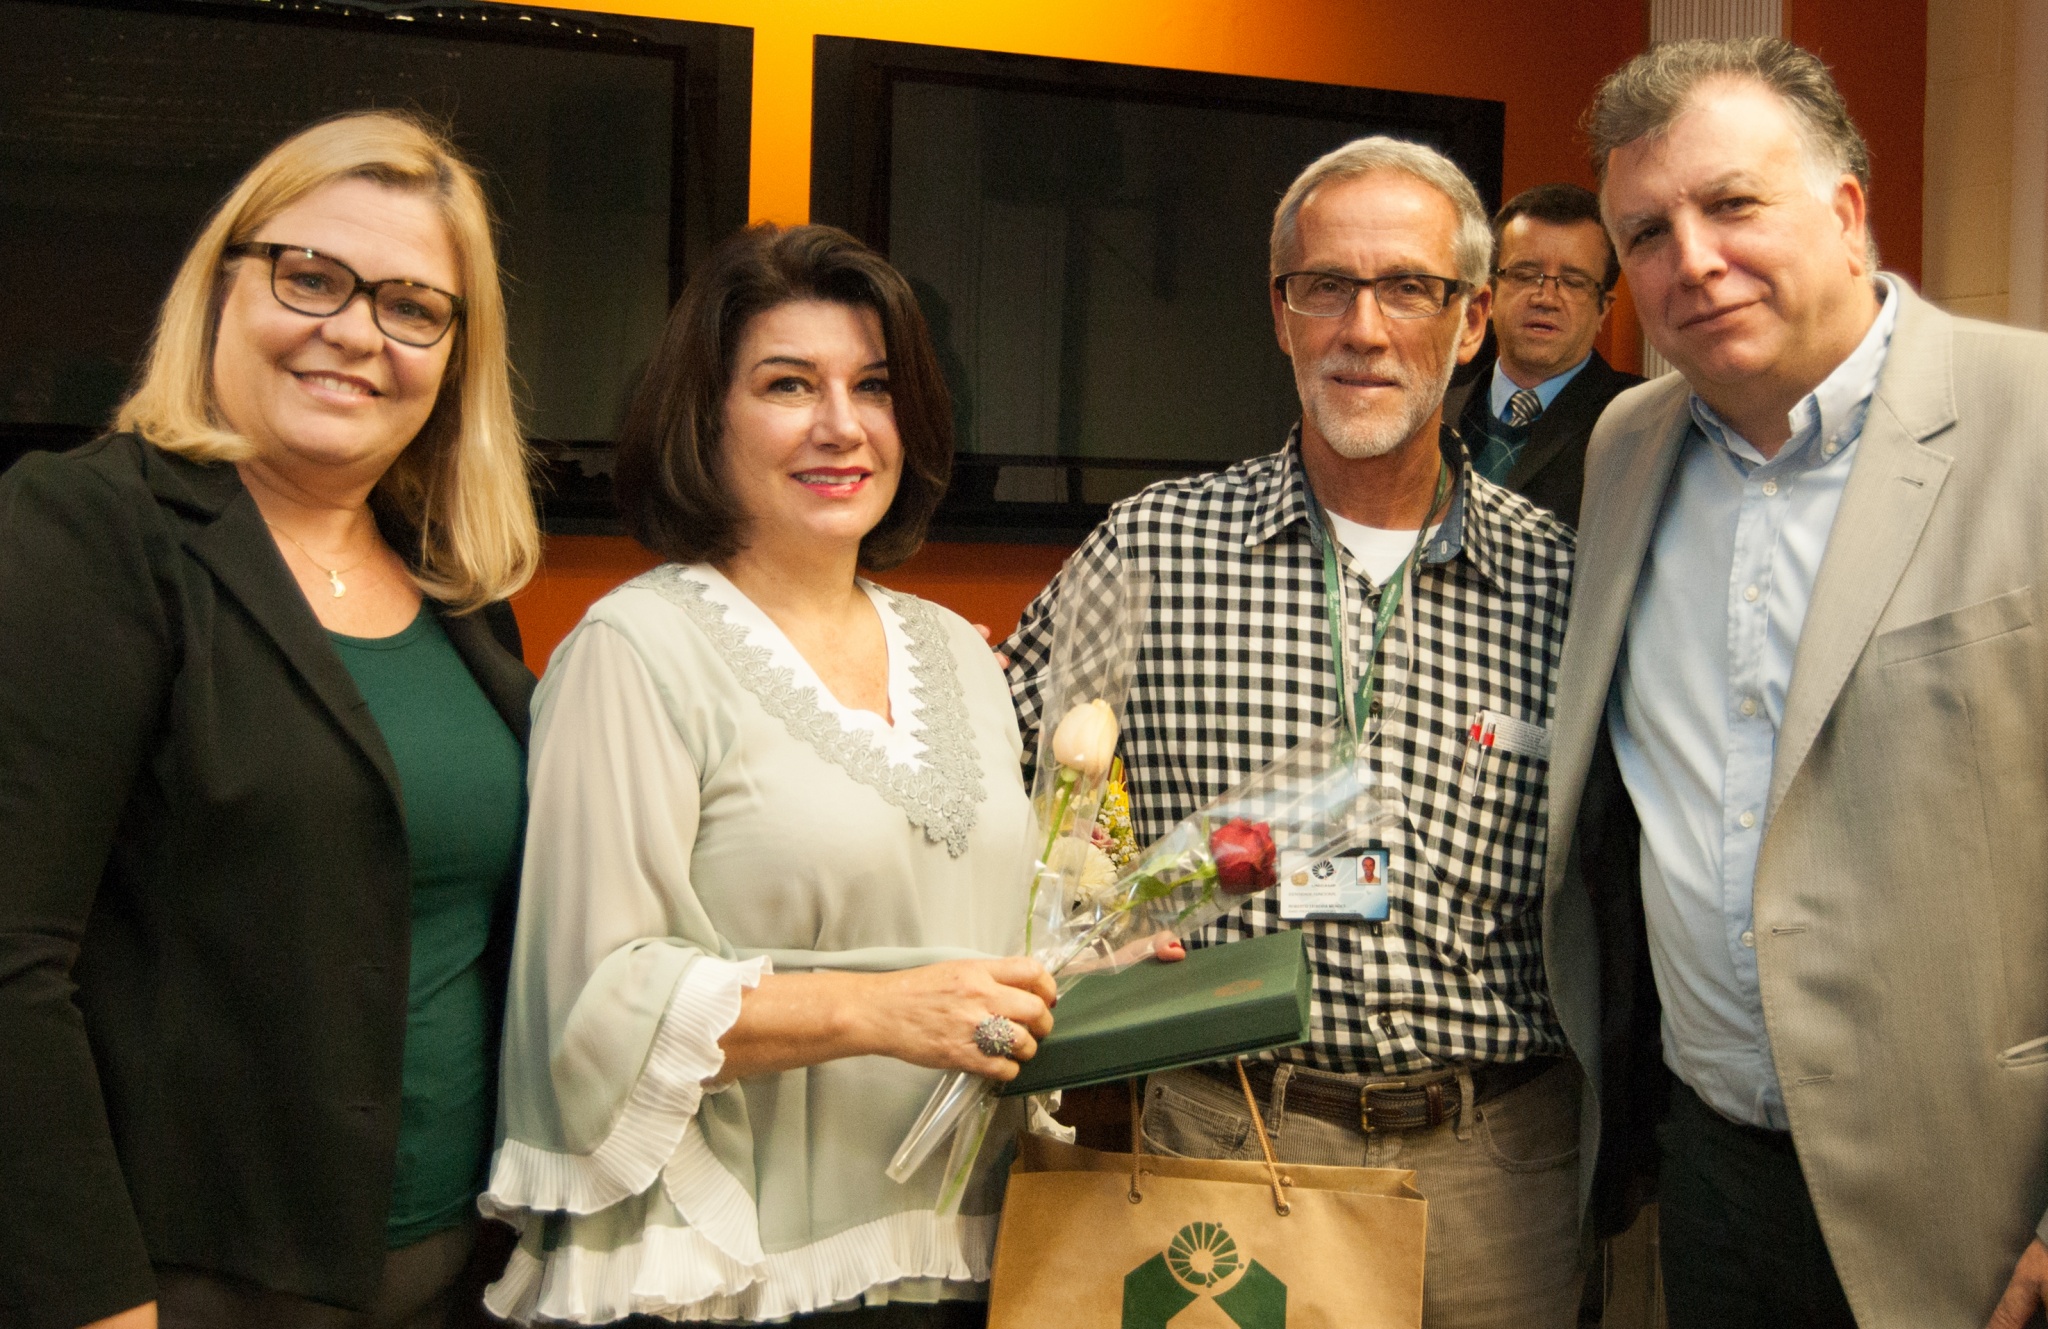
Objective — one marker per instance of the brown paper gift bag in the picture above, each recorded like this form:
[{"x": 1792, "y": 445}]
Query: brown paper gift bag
[{"x": 1093, "y": 1240}]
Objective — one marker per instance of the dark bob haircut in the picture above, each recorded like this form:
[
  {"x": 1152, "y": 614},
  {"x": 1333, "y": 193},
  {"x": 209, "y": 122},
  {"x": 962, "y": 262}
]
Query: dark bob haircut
[
  {"x": 670, "y": 475},
  {"x": 1560, "y": 205}
]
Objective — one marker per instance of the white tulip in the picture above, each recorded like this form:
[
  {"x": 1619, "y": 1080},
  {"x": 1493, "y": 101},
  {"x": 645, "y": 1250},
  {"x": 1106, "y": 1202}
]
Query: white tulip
[{"x": 1085, "y": 741}]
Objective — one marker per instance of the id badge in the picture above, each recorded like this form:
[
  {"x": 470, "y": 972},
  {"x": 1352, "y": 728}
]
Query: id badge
[{"x": 1352, "y": 885}]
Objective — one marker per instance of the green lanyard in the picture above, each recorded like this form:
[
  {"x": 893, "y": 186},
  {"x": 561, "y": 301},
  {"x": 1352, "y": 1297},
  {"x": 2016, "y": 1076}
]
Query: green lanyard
[{"x": 1390, "y": 604}]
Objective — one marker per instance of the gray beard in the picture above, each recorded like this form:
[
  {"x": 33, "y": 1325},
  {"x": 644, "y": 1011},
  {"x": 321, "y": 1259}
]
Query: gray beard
[{"x": 1356, "y": 437}]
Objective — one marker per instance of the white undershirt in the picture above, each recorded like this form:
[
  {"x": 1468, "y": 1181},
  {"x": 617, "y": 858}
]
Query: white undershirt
[{"x": 1377, "y": 552}]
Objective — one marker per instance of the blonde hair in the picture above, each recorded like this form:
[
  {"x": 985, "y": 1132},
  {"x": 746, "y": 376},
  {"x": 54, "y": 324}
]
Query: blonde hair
[{"x": 461, "y": 486}]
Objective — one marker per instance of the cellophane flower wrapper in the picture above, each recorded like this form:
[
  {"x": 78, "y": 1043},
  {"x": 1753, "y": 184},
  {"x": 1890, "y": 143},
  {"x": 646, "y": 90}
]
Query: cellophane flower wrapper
[
  {"x": 1320, "y": 799},
  {"x": 1094, "y": 642}
]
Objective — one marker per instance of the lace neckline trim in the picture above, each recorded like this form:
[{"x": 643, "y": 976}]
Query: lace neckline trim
[
  {"x": 942, "y": 793},
  {"x": 898, "y": 740}
]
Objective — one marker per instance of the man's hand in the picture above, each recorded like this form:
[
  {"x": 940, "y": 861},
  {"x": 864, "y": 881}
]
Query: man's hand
[
  {"x": 990, "y": 638},
  {"x": 2028, "y": 1291}
]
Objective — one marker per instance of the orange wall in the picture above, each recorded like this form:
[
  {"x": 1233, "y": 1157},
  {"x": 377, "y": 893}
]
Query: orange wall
[
  {"x": 1878, "y": 52},
  {"x": 1543, "y": 64},
  {"x": 987, "y": 584},
  {"x": 575, "y": 571}
]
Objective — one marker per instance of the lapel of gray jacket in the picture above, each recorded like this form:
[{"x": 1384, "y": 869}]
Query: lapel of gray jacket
[
  {"x": 1627, "y": 472},
  {"x": 1891, "y": 491}
]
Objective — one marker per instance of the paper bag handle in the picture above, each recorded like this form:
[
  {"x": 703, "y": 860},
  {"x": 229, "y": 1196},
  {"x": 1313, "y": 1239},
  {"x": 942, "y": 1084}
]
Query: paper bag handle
[{"x": 1251, "y": 1102}]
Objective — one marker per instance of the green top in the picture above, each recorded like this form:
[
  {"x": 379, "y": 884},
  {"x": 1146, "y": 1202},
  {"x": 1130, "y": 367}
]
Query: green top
[{"x": 463, "y": 778}]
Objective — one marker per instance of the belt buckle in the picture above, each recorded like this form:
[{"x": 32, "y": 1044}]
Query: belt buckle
[{"x": 1365, "y": 1093}]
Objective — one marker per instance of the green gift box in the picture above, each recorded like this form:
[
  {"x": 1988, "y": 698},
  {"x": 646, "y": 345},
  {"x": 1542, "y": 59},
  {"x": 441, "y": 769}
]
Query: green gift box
[{"x": 1220, "y": 1002}]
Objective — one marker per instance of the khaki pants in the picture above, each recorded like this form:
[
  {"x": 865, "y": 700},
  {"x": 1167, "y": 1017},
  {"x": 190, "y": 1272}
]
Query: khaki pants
[
  {"x": 423, "y": 1288},
  {"x": 1503, "y": 1189}
]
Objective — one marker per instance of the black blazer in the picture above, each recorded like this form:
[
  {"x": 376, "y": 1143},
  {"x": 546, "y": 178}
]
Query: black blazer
[
  {"x": 1634, "y": 1087},
  {"x": 1551, "y": 470},
  {"x": 204, "y": 898}
]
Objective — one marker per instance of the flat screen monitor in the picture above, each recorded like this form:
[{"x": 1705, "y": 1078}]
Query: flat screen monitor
[
  {"x": 614, "y": 151},
  {"x": 1089, "y": 243}
]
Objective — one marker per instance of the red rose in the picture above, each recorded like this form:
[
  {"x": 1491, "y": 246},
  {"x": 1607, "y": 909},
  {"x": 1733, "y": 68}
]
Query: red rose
[{"x": 1245, "y": 856}]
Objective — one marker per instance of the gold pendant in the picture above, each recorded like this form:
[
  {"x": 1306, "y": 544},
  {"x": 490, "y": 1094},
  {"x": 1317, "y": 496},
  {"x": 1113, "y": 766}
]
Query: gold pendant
[{"x": 334, "y": 578}]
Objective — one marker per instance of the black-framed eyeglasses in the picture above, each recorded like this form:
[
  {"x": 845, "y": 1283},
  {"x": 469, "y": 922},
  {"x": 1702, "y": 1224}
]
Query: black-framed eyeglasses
[
  {"x": 1398, "y": 294},
  {"x": 1520, "y": 280},
  {"x": 308, "y": 282}
]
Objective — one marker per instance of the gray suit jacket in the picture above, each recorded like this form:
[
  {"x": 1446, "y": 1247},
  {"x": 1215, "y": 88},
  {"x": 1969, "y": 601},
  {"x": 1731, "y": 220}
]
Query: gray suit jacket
[{"x": 1902, "y": 889}]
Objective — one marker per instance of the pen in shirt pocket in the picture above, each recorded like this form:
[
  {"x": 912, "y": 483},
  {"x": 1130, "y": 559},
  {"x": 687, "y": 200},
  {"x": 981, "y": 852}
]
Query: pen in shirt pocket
[{"x": 1478, "y": 743}]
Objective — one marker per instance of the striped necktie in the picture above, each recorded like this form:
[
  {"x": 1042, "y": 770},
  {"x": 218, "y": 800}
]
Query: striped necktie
[{"x": 1523, "y": 407}]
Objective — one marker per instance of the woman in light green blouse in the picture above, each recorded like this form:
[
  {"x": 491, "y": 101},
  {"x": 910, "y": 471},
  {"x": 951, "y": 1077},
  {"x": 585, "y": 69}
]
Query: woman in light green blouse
[{"x": 777, "y": 841}]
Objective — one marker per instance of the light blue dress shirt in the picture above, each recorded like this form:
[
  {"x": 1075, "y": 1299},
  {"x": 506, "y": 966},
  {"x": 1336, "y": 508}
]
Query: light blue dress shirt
[
  {"x": 1546, "y": 391},
  {"x": 1699, "y": 692}
]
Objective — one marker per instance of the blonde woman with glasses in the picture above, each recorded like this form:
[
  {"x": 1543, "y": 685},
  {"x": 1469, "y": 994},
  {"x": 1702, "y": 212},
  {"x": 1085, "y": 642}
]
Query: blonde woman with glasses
[{"x": 262, "y": 718}]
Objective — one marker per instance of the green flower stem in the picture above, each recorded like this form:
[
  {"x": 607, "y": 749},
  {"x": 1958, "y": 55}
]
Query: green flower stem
[
  {"x": 1208, "y": 894},
  {"x": 1062, "y": 799}
]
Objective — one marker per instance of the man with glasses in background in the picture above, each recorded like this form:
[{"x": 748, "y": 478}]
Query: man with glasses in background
[
  {"x": 1525, "y": 423},
  {"x": 1434, "y": 1044}
]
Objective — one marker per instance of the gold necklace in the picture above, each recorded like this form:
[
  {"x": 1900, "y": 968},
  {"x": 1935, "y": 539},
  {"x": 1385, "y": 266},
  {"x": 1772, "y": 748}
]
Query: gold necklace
[{"x": 333, "y": 574}]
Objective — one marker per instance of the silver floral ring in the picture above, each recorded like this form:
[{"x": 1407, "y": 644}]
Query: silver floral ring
[{"x": 996, "y": 1036}]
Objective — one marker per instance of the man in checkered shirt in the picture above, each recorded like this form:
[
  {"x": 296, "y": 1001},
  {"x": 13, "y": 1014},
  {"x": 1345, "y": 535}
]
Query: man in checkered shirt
[{"x": 1380, "y": 255}]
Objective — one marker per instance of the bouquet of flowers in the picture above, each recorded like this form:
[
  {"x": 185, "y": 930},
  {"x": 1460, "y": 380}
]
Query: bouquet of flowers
[{"x": 1318, "y": 801}]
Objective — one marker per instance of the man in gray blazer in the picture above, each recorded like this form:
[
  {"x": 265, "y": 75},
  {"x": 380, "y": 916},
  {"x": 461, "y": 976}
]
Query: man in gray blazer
[{"x": 1806, "y": 654}]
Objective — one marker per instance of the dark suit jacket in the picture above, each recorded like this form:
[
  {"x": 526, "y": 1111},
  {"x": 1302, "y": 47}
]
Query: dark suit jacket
[
  {"x": 1551, "y": 471},
  {"x": 205, "y": 907}
]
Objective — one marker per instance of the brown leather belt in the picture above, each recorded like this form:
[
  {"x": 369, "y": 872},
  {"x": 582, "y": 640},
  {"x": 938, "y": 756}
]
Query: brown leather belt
[{"x": 1414, "y": 1102}]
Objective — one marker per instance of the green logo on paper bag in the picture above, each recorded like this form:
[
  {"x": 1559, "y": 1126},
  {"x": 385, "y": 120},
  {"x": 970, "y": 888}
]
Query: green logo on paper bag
[
  {"x": 1202, "y": 1261},
  {"x": 1202, "y": 1255}
]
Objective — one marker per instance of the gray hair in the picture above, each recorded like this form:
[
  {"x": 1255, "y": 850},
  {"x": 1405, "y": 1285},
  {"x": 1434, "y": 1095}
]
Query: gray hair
[
  {"x": 1471, "y": 246},
  {"x": 1642, "y": 99}
]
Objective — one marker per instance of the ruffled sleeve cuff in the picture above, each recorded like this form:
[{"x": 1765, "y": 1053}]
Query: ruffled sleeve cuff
[{"x": 652, "y": 1131}]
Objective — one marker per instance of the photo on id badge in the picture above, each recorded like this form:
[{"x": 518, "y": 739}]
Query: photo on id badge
[{"x": 1351, "y": 885}]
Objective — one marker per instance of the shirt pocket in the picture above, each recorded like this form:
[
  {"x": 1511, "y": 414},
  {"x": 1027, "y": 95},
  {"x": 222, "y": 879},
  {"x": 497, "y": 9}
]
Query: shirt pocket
[
  {"x": 1473, "y": 824},
  {"x": 1491, "y": 823}
]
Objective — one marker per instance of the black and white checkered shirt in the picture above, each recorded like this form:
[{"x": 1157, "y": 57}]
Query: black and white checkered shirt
[{"x": 1234, "y": 667}]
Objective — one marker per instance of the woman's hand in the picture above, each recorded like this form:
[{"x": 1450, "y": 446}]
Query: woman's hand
[
  {"x": 142, "y": 1317},
  {"x": 927, "y": 1016}
]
